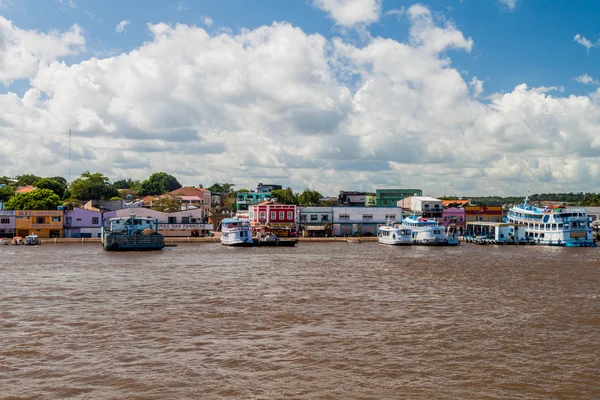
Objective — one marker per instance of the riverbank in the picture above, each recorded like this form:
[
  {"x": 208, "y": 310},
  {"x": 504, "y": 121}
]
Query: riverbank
[{"x": 197, "y": 240}]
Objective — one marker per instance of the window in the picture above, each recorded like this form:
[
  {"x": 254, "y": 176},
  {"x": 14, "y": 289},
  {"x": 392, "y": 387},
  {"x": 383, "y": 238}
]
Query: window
[
  {"x": 391, "y": 217},
  {"x": 4, "y": 221},
  {"x": 68, "y": 221},
  {"x": 40, "y": 220},
  {"x": 281, "y": 215},
  {"x": 95, "y": 220},
  {"x": 344, "y": 217},
  {"x": 290, "y": 215},
  {"x": 273, "y": 215},
  {"x": 172, "y": 220},
  {"x": 263, "y": 216},
  {"x": 314, "y": 217},
  {"x": 367, "y": 217},
  {"x": 324, "y": 217},
  {"x": 58, "y": 218},
  {"x": 303, "y": 217},
  {"x": 185, "y": 220}
]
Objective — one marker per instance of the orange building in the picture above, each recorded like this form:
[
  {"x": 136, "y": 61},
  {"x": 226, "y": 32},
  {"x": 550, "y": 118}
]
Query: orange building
[
  {"x": 483, "y": 213},
  {"x": 44, "y": 223}
]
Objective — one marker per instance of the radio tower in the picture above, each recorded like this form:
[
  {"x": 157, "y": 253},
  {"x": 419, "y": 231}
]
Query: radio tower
[{"x": 69, "y": 155}]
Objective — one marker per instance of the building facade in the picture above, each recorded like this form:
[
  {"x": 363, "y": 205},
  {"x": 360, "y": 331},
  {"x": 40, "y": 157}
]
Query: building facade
[
  {"x": 357, "y": 199},
  {"x": 315, "y": 221},
  {"x": 262, "y": 188},
  {"x": 390, "y": 197},
  {"x": 44, "y": 223},
  {"x": 363, "y": 221},
  {"x": 454, "y": 216},
  {"x": 428, "y": 207},
  {"x": 187, "y": 223},
  {"x": 483, "y": 213},
  {"x": 7, "y": 223},
  {"x": 246, "y": 199},
  {"x": 268, "y": 216},
  {"x": 82, "y": 223}
]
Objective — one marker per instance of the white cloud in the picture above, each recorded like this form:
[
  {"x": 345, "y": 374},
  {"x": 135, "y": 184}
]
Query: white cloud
[
  {"x": 23, "y": 51},
  {"x": 121, "y": 26},
  {"x": 68, "y": 3},
  {"x": 586, "y": 80},
  {"x": 584, "y": 42},
  {"x": 510, "y": 5},
  {"x": 274, "y": 103},
  {"x": 207, "y": 21},
  {"x": 351, "y": 12}
]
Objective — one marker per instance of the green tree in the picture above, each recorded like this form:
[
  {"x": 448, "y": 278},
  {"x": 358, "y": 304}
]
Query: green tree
[
  {"x": 221, "y": 188},
  {"x": 57, "y": 187},
  {"x": 39, "y": 199},
  {"x": 92, "y": 187},
  {"x": 127, "y": 184},
  {"x": 309, "y": 198},
  {"x": 159, "y": 183},
  {"x": 6, "y": 193},
  {"x": 167, "y": 203},
  {"x": 285, "y": 196},
  {"x": 27, "y": 179}
]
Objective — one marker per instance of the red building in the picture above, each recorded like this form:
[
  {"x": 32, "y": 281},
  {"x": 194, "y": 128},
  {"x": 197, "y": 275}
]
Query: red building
[{"x": 272, "y": 215}]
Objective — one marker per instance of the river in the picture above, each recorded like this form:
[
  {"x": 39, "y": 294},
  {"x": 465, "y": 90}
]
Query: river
[{"x": 318, "y": 321}]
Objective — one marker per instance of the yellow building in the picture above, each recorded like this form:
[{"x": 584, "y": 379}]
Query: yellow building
[{"x": 44, "y": 223}]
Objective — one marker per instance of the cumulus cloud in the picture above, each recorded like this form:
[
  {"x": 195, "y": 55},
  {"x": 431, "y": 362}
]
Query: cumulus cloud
[
  {"x": 585, "y": 42},
  {"x": 586, "y": 80},
  {"x": 24, "y": 51},
  {"x": 275, "y": 103},
  {"x": 121, "y": 26},
  {"x": 206, "y": 21},
  {"x": 510, "y": 5},
  {"x": 351, "y": 12}
]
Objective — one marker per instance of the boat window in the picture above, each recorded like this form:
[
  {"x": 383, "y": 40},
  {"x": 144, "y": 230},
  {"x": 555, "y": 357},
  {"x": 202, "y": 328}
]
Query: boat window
[
  {"x": 554, "y": 227},
  {"x": 560, "y": 226}
]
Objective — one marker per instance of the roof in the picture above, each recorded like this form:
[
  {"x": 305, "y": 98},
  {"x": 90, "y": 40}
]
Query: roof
[
  {"x": 25, "y": 189},
  {"x": 189, "y": 191},
  {"x": 191, "y": 198},
  {"x": 425, "y": 198},
  {"x": 457, "y": 202}
]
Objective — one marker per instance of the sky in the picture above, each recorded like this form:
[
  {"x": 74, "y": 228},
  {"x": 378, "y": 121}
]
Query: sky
[{"x": 455, "y": 97}]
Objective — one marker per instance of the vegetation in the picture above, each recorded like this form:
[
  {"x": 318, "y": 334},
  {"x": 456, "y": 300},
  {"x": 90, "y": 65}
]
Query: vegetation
[
  {"x": 92, "y": 187},
  {"x": 159, "y": 183},
  {"x": 6, "y": 193},
  {"x": 167, "y": 203},
  {"x": 39, "y": 199},
  {"x": 27, "y": 179},
  {"x": 127, "y": 184},
  {"x": 58, "y": 187},
  {"x": 221, "y": 188}
]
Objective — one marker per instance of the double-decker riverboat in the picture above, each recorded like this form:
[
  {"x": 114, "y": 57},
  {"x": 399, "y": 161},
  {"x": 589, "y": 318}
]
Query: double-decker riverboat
[
  {"x": 428, "y": 232},
  {"x": 554, "y": 226},
  {"x": 132, "y": 233},
  {"x": 236, "y": 232},
  {"x": 394, "y": 235}
]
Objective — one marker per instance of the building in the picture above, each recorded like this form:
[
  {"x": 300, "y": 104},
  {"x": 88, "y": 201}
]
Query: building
[
  {"x": 361, "y": 221},
  {"x": 194, "y": 196},
  {"x": 483, "y": 213},
  {"x": 262, "y": 188},
  {"x": 7, "y": 223},
  {"x": 270, "y": 215},
  {"x": 428, "y": 207},
  {"x": 103, "y": 205},
  {"x": 390, "y": 197},
  {"x": 358, "y": 199},
  {"x": 247, "y": 199},
  {"x": 454, "y": 216},
  {"x": 25, "y": 189},
  {"x": 454, "y": 203},
  {"x": 186, "y": 223},
  {"x": 44, "y": 223},
  {"x": 315, "y": 221},
  {"x": 82, "y": 223}
]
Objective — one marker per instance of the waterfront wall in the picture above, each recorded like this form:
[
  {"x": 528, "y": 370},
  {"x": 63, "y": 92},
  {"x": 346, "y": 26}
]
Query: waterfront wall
[{"x": 213, "y": 239}]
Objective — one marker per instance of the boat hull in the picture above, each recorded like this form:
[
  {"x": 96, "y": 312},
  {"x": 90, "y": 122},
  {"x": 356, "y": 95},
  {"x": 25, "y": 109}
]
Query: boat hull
[
  {"x": 277, "y": 243},
  {"x": 116, "y": 242}
]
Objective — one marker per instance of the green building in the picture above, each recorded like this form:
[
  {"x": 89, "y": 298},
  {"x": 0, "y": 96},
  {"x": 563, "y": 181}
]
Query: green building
[
  {"x": 390, "y": 197},
  {"x": 245, "y": 199}
]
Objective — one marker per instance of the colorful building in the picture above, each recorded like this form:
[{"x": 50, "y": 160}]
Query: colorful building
[
  {"x": 454, "y": 216},
  {"x": 186, "y": 223},
  {"x": 246, "y": 199},
  {"x": 82, "y": 223},
  {"x": 315, "y": 221},
  {"x": 270, "y": 215},
  {"x": 7, "y": 224},
  {"x": 390, "y": 197},
  {"x": 483, "y": 213},
  {"x": 44, "y": 223}
]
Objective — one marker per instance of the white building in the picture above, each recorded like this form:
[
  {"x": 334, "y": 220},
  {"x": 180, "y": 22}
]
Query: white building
[
  {"x": 180, "y": 223},
  {"x": 428, "y": 206},
  {"x": 362, "y": 220}
]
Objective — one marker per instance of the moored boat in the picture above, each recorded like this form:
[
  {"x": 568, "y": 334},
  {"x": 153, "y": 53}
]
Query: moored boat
[
  {"x": 554, "y": 226},
  {"x": 428, "y": 232},
  {"x": 32, "y": 240},
  {"x": 132, "y": 234},
  {"x": 236, "y": 232},
  {"x": 394, "y": 235}
]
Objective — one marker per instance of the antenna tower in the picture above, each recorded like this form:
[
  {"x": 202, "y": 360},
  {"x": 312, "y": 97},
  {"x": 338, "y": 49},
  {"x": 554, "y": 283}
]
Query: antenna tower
[{"x": 70, "y": 155}]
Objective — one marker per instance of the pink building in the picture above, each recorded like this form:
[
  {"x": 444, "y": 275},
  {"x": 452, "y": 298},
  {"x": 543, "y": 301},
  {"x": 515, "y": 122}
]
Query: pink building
[{"x": 455, "y": 216}]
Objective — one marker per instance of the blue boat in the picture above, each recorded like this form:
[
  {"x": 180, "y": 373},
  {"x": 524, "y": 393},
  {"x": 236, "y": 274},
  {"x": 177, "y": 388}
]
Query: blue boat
[{"x": 132, "y": 234}]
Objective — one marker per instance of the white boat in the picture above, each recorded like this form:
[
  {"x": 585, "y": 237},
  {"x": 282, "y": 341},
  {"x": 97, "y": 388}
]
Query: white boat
[
  {"x": 554, "y": 226},
  {"x": 236, "y": 232},
  {"x": 394, "y": 235},
  {"x": 32, "y": 239},
  {"x": 4, "y": 241},
  {"x": 428, "y": 232}
]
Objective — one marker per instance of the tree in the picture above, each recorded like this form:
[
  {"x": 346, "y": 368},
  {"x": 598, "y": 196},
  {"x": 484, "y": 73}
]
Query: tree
[
  {"x": 159, "y": 183},
  {"x": 309, "y": 198},
  {"x": 27, "y": 179},
  {"x": 6, "y": 193},
  {"x": 126, "y": 184},
  {"x": 92, "y": 187},
  {"x": 221, "y": 188},
  {"x": 285, "y": 196},
  {"x": 168, "y": 203},
  {"x": 57, "y": 187},
  {"x": 39, "y": 199}
]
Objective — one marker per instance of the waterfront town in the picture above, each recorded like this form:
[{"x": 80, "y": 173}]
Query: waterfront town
[{"x": 50, "y": 208}]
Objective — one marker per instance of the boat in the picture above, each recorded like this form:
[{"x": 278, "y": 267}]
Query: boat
[
  {"x": 236, "y": 232},
  {"x": 17, "y": 240},
  {"x": 428, "y": 232},
  {"x": 553, "y": 226},
  {"x": 273, "y": 240},
  {"x": 32, "y": 240},
  {"x": 132, "y": 234},
  {"x": 394, "y": 235},
  {"x": 4, "y": 241}
]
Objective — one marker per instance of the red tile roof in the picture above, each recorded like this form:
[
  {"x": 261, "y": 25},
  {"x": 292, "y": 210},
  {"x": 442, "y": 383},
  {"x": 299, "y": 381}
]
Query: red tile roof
[{"x": 25, "y": 189}]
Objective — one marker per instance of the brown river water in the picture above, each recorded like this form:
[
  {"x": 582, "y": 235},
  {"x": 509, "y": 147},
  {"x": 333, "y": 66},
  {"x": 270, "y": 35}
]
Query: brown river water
[{"x": 318, "y": 321}]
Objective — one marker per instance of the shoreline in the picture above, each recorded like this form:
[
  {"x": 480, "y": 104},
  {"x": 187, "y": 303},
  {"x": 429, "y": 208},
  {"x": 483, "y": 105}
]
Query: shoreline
[{"x": 198, "y": 240}]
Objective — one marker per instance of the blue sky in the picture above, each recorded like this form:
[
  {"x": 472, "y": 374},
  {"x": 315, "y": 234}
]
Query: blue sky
[{"x": 482, "y": 96}]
